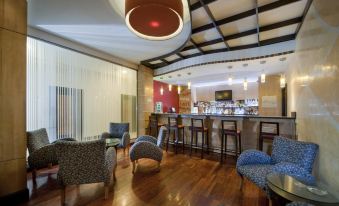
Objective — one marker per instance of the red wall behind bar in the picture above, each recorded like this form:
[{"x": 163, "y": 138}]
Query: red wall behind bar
[{"x": 168, "y": 99}]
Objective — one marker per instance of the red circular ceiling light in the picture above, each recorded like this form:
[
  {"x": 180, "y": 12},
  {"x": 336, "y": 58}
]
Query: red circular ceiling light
[{"x": 154, "y": 19}]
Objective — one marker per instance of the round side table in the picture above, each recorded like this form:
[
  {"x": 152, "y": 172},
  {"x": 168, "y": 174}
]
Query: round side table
[{"x": 285, "y": 189}]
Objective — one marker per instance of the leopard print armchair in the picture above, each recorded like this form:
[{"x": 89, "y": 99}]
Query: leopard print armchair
[
  {"x": 148, "y": 147},
  {"x": 84, "y": 163}
]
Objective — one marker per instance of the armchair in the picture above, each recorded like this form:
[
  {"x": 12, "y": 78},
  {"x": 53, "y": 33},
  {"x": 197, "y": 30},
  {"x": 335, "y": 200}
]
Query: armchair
[
  {"x": 119, "y": 131},
  {"x": 289, "y": 157},
  {"x": 148, "y": 147},
  {"x": 41, "y": 151},
  {"x": 84, "y": 163}
]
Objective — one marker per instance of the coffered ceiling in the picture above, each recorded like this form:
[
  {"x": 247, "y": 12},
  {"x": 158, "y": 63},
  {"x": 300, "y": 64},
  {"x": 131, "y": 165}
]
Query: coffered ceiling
[{"x": 229, "y": 25}]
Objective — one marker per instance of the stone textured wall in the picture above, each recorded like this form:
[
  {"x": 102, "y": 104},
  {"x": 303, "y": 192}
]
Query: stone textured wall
[
  {"x": 313, "y": 80},
  {"x": 13, "y": 27}
]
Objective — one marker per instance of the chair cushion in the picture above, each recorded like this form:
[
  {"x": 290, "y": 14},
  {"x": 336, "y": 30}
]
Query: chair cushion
[
  {"x": 297, "y": 152},
  {"x": 256, "y": 173},
  {"x": 117, "y": 130}
]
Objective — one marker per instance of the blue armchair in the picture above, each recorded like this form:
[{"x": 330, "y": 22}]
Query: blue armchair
[
  {"x": 119, "y": 131},
  {"x": 148, "y": 147},
  {"x": 289, "y": 157}
]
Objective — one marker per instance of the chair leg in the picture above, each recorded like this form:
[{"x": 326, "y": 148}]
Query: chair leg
[
  {"x": 241, "y": 182},
  {"x": 106, "y": 192},
  {"x": 222, "y": 147},
  {"x": 176, "y": 139},
  {"x": 191, "y": 142},
  {"x": 133, "y": 170},
  {"x": 158, "y": 167},
  {"x": 236, "y": 146},
  {"x": 196, "y": 141},
  {"x": 169, "y": 135},
  {"x": 240, "y": 147},
  {"x": 63, "y": 194},
  {"x": 114, "y": 170},
  {"x": 208, "y": 142},
  {"x": 183, "y": 140},
  {"x": 34, "y": 171},
  {"x": 49, "y": 166},
  {"x": 202, "y": 144}
]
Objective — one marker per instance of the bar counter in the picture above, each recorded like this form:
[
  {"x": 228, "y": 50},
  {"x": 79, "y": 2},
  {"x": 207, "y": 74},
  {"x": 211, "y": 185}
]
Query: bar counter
[{"x": 247, "y": 124}]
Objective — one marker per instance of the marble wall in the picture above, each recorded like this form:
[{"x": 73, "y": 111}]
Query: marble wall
[{"x": 313, "y": 82}]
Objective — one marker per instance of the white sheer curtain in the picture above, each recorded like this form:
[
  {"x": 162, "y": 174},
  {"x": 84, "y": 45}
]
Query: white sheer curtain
[{"x": 72, "y": 94}]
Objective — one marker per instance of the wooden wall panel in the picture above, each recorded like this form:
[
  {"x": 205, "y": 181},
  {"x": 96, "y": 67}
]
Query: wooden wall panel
[
  {"x": 270, "y": 88},
  {"x": 13, "y": 23},
  {"x": 12, "y": 176},
  {"x": 15, "y": 15}
]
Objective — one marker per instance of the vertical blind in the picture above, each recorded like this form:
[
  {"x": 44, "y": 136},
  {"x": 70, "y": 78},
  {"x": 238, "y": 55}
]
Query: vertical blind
[{"x": 75, "y": 95}]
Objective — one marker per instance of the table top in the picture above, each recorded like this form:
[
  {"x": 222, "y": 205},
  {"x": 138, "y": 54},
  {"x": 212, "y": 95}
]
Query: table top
[
  {"x": 112, "y": 142},
  {"x": 292, "y": 189}
]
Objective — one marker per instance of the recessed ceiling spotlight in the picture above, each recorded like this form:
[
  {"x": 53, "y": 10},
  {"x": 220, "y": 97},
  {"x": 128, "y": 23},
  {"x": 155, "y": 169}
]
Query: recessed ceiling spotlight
[
  {"x": 170, "y": 76},
  {"x": 161, "y": 77},
  {"x": 189, "y": 73},
  {"x": 282, "y": 59},
  {"x": 245, "y": 65},
  {"x": 263, "y": 62},
  {"x": 230, "y": 67},
  {"x": 179, "y": 75}
]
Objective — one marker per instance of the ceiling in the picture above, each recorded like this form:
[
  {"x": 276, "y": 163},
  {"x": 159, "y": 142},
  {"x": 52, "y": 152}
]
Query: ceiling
[
  {"x": 100, "y": 24},
  {"x": 249, "y": 69},
  {"x": 229, "y": 25}
]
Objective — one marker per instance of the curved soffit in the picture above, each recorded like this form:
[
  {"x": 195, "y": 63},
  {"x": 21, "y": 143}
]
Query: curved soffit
[{"x": 100, "y": 24}]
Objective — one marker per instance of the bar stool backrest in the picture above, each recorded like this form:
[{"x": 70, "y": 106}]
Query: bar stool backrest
[
  {"x": 197, "y": 123},
  {"x": 229, "y": 125},
  {"x": 269, "y": 128},
  {"x": 172, "y": 121}
]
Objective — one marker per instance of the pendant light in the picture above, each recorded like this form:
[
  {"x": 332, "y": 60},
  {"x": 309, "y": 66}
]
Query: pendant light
[
  {"x": 170, "y": 87},
  {"x": 245, "y": 84},
  {"x": 230, "y": 80},
  {"x": 263, "y": 77},
  {"x": 282, "y": 81},
  {"x": 154, "y": 19}
]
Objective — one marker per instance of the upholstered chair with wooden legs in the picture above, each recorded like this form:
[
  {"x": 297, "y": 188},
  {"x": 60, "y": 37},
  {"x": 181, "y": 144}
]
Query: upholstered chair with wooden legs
[
  {"x": 119, "y": 131},
  {"x": 148, "y": 147},
  {"x": 41, "y": 151},
  {"x": 85, "y": 163}
]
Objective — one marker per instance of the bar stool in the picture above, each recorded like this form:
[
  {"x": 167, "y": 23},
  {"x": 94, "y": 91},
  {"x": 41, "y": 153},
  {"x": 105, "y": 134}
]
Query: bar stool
[
  {"x": 229, "y": 128},
  {"x": 267, "y": 130},
  {"x": 196, "y": 129},
  {"x": 154, "y": 125},
  {"x": 173, "y": 125}
]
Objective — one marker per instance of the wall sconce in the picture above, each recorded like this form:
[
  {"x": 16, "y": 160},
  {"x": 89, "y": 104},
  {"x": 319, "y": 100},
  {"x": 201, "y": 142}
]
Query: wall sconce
[
  {"x": 179, "y": 89},
  {"x": 170, "y": 87},
  {"x": 189, "y": 85},
  {"x": 282, "y": 81},
  {"x": 263, "y": 77},
  {"x": 161, "y": 91},
  {"x": 245, "y": 84}
]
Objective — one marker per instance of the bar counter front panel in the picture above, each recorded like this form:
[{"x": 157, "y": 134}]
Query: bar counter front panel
[{"x": 247, "y": 124}]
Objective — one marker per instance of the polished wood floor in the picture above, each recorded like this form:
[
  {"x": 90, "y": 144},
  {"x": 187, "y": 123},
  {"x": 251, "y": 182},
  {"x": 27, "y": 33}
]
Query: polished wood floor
[{"x": 181, "y": 181}]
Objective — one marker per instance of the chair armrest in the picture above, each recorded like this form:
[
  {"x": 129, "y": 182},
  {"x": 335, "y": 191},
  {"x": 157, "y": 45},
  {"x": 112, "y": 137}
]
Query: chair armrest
[
  {"x": 126, "y": 139},
  {"x": 295, "y": 171},
  {"x": 43, "y": 156},
  {"x": 250, "y": 157},
  {"x": 64, "y": 139},
  {"x": 110, "y": 163},
  {"x": 146, "y": 138},
  {"x": 144, "y": 149},
  {"x": 105, "y": 135}
]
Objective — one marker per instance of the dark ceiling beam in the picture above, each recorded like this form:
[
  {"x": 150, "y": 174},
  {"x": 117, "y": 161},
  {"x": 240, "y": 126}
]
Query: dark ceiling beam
[
  {"x": 245, "y": 14},
  {"x": 197, "y": 47},
  {"x": 248, "y": 46},
  {"x": 308, "y": 5},
  {"x": 257, "y": 17},
  {"x": 249, "y": 32},
  {"x": 165, "y": 61},
  {"x": 180, "y": 56},
  {"x": 210, "y": 15},
  {"x": 198, "y": 4}
]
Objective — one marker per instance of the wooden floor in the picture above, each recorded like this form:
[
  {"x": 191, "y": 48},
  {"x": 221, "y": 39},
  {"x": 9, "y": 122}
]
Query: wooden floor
[{"x": 181, "y": 181}]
